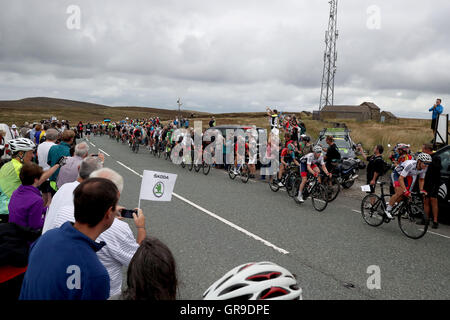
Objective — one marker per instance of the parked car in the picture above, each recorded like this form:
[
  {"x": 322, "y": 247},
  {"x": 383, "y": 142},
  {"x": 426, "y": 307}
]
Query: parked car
[
  {"x": 5, "y": 153},
  {"x": 342, "y": 139},
  {"x": 444, "y": 198}
]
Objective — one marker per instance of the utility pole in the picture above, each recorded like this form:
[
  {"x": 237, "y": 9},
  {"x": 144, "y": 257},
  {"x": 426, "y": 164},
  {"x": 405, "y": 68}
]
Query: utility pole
[
  {"x": 329, "y": 58},
  {"x": 179, "y": 108}
]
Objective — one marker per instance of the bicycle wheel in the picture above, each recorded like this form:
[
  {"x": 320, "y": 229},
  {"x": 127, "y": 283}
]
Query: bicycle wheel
[
  {"x": 408, "y": 218},
  {"x": 291, "y": 185},
  {"x": 274, "y": 185},
  {"x": 333, "y": 189},
  {"x": 372, "y": 210},
  {"x": 206, "y": 168},
  {"x": 319, "y": 197},
  {"x": 245, "y": 173},
  {"x": 183, "y": 164}
]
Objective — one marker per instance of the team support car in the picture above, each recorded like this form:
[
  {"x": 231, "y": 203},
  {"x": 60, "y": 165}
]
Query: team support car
[
  {"x": 342, "y": 139},
  {"x": 443, "y": 195}
]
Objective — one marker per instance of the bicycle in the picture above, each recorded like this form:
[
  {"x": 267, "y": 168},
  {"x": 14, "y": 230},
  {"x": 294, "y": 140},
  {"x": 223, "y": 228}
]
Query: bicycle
[
  {"x": 204, "y": 166},
  {"x": 241, "y": 170},
  {"x": 317, "y": 191},
  {"x": 287, "y": 179},
  {"x": 333, "y": 186},
  {"x": 408, "y": 211},
  {"x": 135, "y": 145}
]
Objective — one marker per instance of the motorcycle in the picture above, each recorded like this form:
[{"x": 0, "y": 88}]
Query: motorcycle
[{"x": 347, "y": 172}]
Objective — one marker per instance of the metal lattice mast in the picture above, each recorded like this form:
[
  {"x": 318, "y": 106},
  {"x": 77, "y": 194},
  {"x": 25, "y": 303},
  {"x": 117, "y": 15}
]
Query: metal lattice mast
[{"x": 329, "y": 59}]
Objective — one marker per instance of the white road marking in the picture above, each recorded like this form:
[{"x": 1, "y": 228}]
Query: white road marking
[
  {"x": 251, "y": 235},
  {"x": 357, "y": 211},
  {"x": 92, "y": 144},
  {"x": 102, "y": 151},
  {"x": 248, "y": 233}
]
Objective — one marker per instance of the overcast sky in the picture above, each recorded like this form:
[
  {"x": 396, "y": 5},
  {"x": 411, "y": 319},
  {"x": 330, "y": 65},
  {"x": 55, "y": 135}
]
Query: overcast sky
[{"x": 226, "y": 56}]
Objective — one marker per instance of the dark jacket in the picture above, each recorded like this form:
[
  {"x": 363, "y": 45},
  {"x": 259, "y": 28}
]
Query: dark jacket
[{"x": 14, "y": 244}]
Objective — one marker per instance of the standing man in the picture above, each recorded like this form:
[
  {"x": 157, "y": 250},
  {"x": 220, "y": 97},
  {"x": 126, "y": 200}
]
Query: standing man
[
  {"x": 58, "y": 151},
  {"x": 437, "y": 109},
  {"x": 375, "y": 168},
  {"x": 432, "y": 184},
  {"x": 274, "y": 118},
  {"x": 42, "y": 153},
  {"x": 63, "y": 264},
  {"x": 332, "y": 156}
]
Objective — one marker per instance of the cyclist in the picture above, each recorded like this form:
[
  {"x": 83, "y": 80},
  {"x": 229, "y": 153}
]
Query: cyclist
[
  {"x": 409, "y": 168},
  {"x": 286, "y": 158},
  {"x": 88, "y": 130},
  {"x": 308, "y": 163},
  {"x": 137, "y": 134}
]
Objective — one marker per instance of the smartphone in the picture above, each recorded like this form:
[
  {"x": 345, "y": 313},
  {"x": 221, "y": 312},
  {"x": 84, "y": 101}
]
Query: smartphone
[
  {"x": 94, "y": 155},
  {"x": 127, "y": 213}
]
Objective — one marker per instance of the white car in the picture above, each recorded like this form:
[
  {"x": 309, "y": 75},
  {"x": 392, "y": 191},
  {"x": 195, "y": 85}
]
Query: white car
[{"x": 5, "y": 153}]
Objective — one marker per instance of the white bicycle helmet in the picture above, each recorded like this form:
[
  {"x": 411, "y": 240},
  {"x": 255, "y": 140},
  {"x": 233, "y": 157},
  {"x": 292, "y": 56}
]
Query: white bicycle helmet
[
  {"x": 317, "y": 149},
  {"x": 424, "y": 157},
  {"x": 255, "y": 281},
  {"x": 21, "y": 144}
]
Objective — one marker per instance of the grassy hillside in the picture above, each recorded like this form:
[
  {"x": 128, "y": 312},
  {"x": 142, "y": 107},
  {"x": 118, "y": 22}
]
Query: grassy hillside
[{"x": 35, "y": 109}]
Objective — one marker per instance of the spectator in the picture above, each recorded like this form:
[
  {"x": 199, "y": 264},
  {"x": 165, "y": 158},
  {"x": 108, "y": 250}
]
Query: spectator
[
  {"x": 152, "y": 273},
  {"x": 70, "y": 171},
  {"x": 302, "y": 128},
  {"x": 42, "y": 155},
  {"x": 305, "y": 146},
  {"x": 14, "y": 132},
  {"x": 58, "y": 151},
  {"x": 62, "y": 263},
  {"x": 437, "y": 109},
  {"x": 332, "y": 156},
  {"x": 121, "y": 244},
  {"x": 25, "y": 130},
  {"x": 37, "y": 134},
  {"x": 375, "y": 168},
  {"x": 2, "y": 142},
  {"x": 431, "y": 186},
  {"x": 274, "y": 118},
  {"x": 212, "y": 122},
  {"x": 32, "y": 132},
  {"x": 63, "y": 199},
  {"x": 26, "y": 207}
]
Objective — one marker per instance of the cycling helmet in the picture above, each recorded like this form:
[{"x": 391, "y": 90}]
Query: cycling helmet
[
  {"x": 255, "y": 281},
  {"x": 424, "y": 157},
  {"x": 402, "y": 146},
  {"x": 318, "y": 149},
  {"x": 306, "y": 138},
  {"x": 21, "y": 144}
]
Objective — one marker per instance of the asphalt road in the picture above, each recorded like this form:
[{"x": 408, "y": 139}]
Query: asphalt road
[{"x": 214, "y": 224}]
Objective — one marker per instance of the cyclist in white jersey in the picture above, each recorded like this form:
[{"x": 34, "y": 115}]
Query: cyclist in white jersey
[
  {"x": 404, "y": 177},
  {"x": 309, "y": 163}
]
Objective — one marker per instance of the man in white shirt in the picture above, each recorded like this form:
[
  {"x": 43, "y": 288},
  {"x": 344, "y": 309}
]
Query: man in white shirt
[
  {"x": 14, "y": 132},
  {"x": 120, "y": 242}
]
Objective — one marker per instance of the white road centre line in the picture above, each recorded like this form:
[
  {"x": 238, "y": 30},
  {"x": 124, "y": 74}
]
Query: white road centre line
[
  {"x": 102, "y": 151},
  {"x": 92, "y": 144},
  {"x": 248, "y": 233}
]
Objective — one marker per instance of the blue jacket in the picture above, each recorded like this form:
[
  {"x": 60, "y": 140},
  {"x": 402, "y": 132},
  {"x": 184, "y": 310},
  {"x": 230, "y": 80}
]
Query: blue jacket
[
  {"x": 439, "y": 109},
  {"x": 63, "y": 265}
]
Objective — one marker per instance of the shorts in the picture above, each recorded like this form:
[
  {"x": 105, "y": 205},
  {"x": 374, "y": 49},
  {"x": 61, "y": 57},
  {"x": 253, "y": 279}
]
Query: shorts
[
  {"x": 395, "y": 176},
  {"x": 252, "y": 159},
  {"x": 304, "y": 169},
  {"x": 432, "y": 190}
]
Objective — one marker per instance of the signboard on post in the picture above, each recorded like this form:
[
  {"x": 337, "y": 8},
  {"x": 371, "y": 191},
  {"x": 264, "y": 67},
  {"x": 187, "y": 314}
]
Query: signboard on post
[
  {"x": 157, "y": 186},
  {"x": 442, "y": 129}
]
